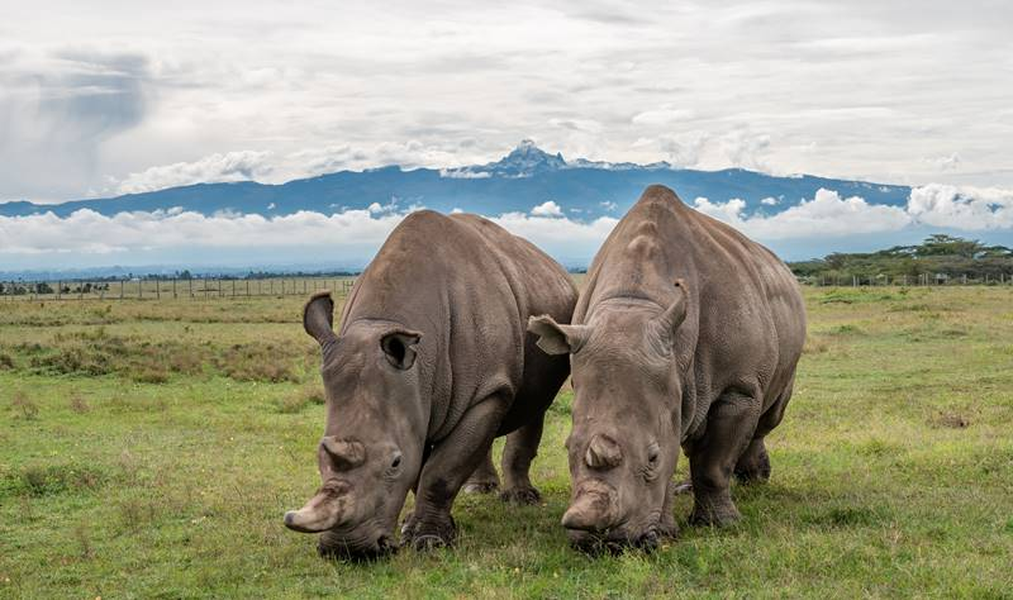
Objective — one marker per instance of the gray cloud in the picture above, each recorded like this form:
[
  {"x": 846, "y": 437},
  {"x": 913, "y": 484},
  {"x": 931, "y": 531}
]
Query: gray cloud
[
  {"x": 882, "y": 89},
  {"x": 60, "y": 106}
]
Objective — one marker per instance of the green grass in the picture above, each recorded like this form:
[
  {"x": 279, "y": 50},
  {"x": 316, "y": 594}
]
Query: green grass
[{"x": 149, "y": 450}]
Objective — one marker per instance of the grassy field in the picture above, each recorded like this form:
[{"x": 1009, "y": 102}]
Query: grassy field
[{"x": 149, "y": 449}]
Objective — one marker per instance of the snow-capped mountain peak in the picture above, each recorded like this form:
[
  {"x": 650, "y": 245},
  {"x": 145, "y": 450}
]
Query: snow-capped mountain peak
[{"x": 525, "y": 160}]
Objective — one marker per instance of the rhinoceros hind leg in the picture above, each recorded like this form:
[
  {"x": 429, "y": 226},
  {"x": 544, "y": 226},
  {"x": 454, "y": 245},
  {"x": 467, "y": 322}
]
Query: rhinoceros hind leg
[
  {"x": 484, "y": 480},
  {"x": 754, "y": 464},
  {"x": 521, "y": 448}
]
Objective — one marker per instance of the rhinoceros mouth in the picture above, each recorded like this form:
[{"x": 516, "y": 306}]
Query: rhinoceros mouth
[
  {"x": 614, "y": 541},
  {"x": 356, "y": 548},
  {"x": 381, "y": 548}
]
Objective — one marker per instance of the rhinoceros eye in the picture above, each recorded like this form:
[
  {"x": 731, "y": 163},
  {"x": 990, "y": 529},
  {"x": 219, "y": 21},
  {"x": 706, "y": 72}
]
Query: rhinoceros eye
[
  {"x": 653, "y": 455},
  {"x": 396, "y": 463}
]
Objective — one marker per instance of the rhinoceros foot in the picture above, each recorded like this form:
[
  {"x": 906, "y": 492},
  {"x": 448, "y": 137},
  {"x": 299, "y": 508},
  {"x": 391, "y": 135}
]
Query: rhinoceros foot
[
  {"x": 521, "y": 495},
  {"x": 714, "y": 515},
  {"x": 428, "y": 534}
]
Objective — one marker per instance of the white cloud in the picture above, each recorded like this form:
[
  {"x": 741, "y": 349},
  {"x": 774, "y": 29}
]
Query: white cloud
[
  {"x": 825, "y": 216},
  {"x": 560, "y": 237},
  {"x": 232, "y": 166},
  {"x": 90, "y": 232},
  {"x": 346, "y": 234},
  {"x": 949, "y": 162},
  {"x": 355, "y": 234},
  {"x": 609, "y": 205},
  {"x": 746, "y": 149},
  {"x": 547, "y": 209},
  {"x": 770, "y": 201},
  {"x": 662, "y": 116},
  {"x": 967, "y": 208},
  {"x": 272, "y": 167}
]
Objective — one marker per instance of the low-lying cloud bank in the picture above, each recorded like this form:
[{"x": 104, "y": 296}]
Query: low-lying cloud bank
[{"x": 826, "y": 216}]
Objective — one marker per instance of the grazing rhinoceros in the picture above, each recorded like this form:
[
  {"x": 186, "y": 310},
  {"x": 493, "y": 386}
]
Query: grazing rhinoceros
[
  {"x": 432, "y": 361},
  {"x": 687, "y": 332}
]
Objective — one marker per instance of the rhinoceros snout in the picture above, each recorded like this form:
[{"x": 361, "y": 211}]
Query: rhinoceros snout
[
  {"x": 594, "y": 508},
  {"x": 327, "y": 509}
]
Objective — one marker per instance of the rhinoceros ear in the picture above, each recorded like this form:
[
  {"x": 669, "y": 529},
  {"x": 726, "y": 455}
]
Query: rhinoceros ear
[
  {"x": 399, "y": 347},
  {"x": 554, "y": 338},
  {"x": 675, "y": 314},
  {"x": 318, "y": 318}
]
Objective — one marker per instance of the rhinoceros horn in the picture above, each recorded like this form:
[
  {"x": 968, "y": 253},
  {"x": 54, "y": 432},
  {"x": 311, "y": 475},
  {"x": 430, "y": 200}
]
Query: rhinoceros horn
[
  {"x": 603, "y": 453},
  {"x": 324, "y": 511},
  {"x": 591, "y": 510}
]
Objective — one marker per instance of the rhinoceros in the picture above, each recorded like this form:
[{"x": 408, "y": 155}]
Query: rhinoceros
[
  {"x": 686, "y": 333},
  {"x": 431, "y": 362}
]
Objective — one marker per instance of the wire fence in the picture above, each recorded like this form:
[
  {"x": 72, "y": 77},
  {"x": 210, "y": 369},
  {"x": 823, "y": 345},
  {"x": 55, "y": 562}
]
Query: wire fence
[
  {"x": 221, "y": 288},
  {"x": 172, "y": 289},
  {"x": 923, "y": 279}
]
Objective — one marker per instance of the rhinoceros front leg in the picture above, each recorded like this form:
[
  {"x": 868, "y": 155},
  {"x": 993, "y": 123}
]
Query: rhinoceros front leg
[
  {"x": 485, "y": 479},
  {"x": 521, "y": 448},
  {"x": 731, "y": 423},
  {"x": 452, "y": 460}
]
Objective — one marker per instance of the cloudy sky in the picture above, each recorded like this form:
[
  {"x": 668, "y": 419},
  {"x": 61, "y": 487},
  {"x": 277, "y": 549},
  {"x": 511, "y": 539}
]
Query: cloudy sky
[{"x": 107, "y": 97}]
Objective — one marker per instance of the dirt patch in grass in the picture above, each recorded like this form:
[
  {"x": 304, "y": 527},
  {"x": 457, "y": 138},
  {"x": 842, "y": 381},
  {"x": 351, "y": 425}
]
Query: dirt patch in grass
[{"x": 950, "y": 420}]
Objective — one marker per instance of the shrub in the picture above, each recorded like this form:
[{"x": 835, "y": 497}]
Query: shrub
[{"x": 45, "y": 480}]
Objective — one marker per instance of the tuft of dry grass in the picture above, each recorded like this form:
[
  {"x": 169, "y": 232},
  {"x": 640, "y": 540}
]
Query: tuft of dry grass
[
  {"x": 78, "y": 404},
  {"x": 23, "y": 404},
  {"x": 254, "y": 362},
  {"x": 300, "y": 399}
]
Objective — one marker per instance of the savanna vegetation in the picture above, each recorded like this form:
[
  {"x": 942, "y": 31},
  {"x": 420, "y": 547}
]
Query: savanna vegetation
[
  {"x": 939, "y": 259},
  {"x": 149, "y": 449}
]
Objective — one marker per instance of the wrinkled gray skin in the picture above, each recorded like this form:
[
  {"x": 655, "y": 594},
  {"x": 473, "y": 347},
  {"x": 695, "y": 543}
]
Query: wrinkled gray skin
[
  {"x": 431, "y": 363},
  {"x": 687, "y": 333}
]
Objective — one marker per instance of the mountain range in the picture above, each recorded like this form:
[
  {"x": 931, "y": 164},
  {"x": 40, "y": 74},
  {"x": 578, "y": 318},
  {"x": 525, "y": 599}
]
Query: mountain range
[{"x": 524, "y": 178}]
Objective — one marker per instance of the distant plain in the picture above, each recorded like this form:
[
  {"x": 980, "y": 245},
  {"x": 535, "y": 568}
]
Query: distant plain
[{"x": 148, "y": 449}]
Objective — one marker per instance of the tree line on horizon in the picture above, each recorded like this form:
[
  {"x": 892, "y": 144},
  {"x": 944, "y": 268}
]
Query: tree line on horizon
[{"x": 939, "y": 258}]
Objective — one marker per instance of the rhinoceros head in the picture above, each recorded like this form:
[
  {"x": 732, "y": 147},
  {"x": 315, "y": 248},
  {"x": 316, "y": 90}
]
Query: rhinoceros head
[
  {"x": 372, "y": 448},
  {"x": 625, "y": 437}
]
